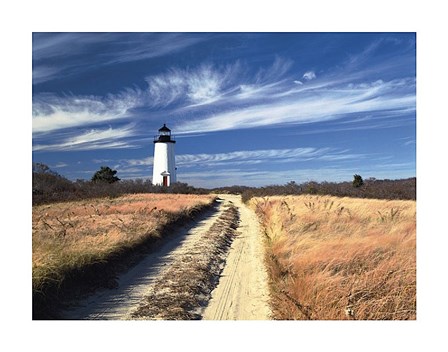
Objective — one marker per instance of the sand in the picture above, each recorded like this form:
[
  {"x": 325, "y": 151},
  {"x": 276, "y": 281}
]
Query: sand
[{"x": 240, "y": 285}]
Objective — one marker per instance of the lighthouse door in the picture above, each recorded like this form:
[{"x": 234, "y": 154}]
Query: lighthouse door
[{"x": 165, "y": 181}]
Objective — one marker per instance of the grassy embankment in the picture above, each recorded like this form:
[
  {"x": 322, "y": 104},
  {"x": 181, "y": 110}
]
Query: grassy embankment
[
  {"x": 78, "y": 246},
  {"x": 334, "y": 258}
]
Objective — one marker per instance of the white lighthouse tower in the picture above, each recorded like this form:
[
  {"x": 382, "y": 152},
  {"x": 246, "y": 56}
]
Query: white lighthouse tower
[{"x": 164, "y": 167}]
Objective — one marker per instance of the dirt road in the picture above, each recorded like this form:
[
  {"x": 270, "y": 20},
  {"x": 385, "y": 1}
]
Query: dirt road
[
  {"x": 216, "y": 258},
  {"x": 242, "y": 293}
]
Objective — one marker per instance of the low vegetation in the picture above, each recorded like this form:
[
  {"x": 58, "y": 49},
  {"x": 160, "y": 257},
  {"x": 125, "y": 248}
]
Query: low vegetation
[
  {"x": 50, "y": 187},
  {"x": 333, "y": 258},
  {"x": 78, "y": 246},
  {"x": 358, "y": 188}
]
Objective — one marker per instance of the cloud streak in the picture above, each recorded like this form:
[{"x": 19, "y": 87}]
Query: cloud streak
[
  {"x": 249, "y": 157},
  {"x": 322, "y": 103},
  {"x": 209, "y": 84},
  {"x": 51, "y": 112},
  {"x": 308, "y": 76},
  {"x": 252, "y": 157},
  {"x": 114, "y": 48},
  {"x": 203, "y": 85},
  {"x": 91, "y": 140}
]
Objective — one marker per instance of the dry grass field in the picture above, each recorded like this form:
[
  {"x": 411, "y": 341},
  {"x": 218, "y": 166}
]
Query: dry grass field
[
  {"x": 69, "y": 236},
  {"x": 334, "y": 258}
]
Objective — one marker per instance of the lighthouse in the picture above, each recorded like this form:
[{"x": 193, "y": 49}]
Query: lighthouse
[{"x": 164, "y": 167}]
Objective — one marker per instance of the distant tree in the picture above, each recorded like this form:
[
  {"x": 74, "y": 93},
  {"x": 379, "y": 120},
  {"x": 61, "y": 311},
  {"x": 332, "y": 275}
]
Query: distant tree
[
  {"x": 106, "y": 175},
  {"x": 357, "y": 181},
  {"x": 40, "y": 168}
]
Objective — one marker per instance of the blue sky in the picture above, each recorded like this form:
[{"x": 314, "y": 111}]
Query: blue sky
[{"x": 245, "y": 108}]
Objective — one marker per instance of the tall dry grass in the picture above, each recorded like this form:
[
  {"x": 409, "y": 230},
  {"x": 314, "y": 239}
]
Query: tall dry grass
[
  {"x": 336, "y": 258},
  {"x": 68, "y": 237}
]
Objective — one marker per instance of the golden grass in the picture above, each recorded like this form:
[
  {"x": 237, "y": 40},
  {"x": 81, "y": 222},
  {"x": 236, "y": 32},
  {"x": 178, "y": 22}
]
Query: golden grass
[
  {"x": 340, "y": 258},
  {"x": 68, "y": 236}
]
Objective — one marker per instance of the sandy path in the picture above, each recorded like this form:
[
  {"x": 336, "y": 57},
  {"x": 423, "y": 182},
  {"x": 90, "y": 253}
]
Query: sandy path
[
  {"x": 242, "y": 292},
  {"x": 134, "y": 285}
]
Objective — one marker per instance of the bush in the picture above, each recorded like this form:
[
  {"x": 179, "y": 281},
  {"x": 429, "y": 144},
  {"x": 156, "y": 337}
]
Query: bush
[
  {"x": 105, "y": 174},
  {"x": 357, "y": 181}
]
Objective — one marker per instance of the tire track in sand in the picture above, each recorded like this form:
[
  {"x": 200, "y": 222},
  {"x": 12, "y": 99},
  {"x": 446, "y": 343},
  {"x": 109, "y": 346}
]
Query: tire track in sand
[
  {"x": 242, "y": 292},
  {"x": 134, "y": 285}
]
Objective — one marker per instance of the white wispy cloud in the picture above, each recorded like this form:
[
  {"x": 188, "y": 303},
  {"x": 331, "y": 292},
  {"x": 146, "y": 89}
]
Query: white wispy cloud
[
  {"x": 59, "y": 165},
  {"x": 406, "y": 141},
  {"x": 92, "y": 139},
  {"x": 202, "y": 85},
  {"x": 252, "y": 157},
  {"x": 308, "y": 76},
  {"x": 43, "y": 73},
  {"x": 253, "y": 92},
  {"x": 404, "y": 166},
  {"x": 143, "y": 46},
  {"x": 360, "y": 58},
  {"x": 266, "y": 82},
  {"x": 209, "y": 84},
  {"x": 51, "y": 112},
  {"x": 116, "y": 48},
  {"x": 60, "y": 118},
  {"x": 51, "y": 45},
  {"x": 279, "y": 68},
  {"x": 320, "y": 103},
  {"x": 249, "y": 156},
  {"x": 139, "y": 162},
  {"x": 387, "y": 120}
]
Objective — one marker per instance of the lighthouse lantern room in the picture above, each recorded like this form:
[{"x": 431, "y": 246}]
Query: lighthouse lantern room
[{"x": 164, "y": 167}]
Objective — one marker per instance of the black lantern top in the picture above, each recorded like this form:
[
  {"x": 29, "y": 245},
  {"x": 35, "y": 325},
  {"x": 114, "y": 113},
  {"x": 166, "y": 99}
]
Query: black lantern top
[
  {"x": 164, "y": 135},
  {"x": 164, "y": 130}
]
